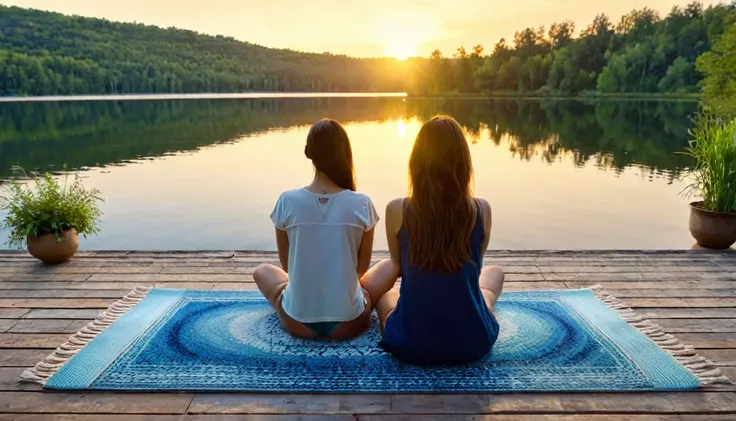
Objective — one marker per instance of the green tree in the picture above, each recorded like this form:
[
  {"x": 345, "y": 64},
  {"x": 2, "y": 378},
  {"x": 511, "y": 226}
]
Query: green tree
[
  {"x": 679, "y": 78},
  {"x": 719, "y": 68}
]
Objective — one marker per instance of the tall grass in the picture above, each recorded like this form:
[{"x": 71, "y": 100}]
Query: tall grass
[{"x": 713, "y": 148}]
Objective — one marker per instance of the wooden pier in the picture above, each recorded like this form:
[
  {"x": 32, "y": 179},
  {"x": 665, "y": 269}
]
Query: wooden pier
[{"x": 691, "y": 294}]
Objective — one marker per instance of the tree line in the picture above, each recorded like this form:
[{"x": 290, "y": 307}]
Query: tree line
[
  {"x": 46, "y": 53},
  {"x": 642, "y": 53}
]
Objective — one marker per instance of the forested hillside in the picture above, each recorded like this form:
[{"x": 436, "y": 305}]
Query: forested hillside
[
  {"x": 43, "y": 53},
  {"x": 642, "y": 53}
]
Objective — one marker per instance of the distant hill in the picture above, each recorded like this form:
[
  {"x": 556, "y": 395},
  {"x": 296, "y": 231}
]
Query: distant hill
[{"x": 45, "y": 53}]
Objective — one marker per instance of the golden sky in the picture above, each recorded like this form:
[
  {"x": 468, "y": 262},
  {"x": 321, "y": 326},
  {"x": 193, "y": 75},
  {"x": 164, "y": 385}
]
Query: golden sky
[{"x": 354, "y": 27}]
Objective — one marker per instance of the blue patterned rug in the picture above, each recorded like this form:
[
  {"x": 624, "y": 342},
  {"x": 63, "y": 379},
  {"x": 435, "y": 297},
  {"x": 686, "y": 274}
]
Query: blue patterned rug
[{"x": 163, "y": 339}]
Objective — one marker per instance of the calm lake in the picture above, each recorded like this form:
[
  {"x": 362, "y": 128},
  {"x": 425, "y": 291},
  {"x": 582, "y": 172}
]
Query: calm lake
[{"x": 204, "y": 173}]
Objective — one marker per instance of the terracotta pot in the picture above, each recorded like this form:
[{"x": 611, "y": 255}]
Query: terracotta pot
[
  {"x": 50, "y": 251},
  {"x": 715, "y": 230}
]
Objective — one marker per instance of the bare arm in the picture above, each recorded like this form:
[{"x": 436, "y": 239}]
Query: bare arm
[
  {"x": 365, "y": 252},
  {"x": 394, "y": 219},
  {"x": 282, "y": 244},
  {"x": 487, "y": 222}
]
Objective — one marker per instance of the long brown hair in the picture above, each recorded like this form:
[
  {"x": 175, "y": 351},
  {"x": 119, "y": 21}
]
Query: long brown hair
[
  {"x": 440, "y": 208},
  {"x": 328, "y": 146}
]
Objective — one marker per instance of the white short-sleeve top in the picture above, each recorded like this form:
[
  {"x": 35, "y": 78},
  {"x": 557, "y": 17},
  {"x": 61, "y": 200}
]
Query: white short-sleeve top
[{"x": 325, "y": 231}]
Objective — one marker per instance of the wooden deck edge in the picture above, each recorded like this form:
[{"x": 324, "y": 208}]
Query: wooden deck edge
[{"x": 536, "y": 252}]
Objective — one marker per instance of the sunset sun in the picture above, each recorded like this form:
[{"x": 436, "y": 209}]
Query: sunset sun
[{"x": 401, "y": 51}]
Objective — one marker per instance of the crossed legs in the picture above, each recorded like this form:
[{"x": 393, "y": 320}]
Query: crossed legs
[
  {"x": 380, "y": 281},
  {"x": 380, "y": 285},
  {"x": 272, "y": 280},
  {"x": 491, "y": 285}
]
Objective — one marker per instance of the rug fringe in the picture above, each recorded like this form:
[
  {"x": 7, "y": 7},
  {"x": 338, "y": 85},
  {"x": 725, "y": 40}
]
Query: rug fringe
[
  {"x": 52, "y": 363},
  {"x": 705, "y": 370}
]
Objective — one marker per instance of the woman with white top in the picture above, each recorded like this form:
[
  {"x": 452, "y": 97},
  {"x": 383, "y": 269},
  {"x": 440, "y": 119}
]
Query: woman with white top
[{"x": 324, "y": 236}]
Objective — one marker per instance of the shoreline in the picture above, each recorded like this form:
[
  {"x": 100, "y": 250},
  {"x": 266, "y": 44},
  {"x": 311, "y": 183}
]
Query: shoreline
[
  {"x": 234, "y": 95},
  {"x": 531, "y": 96},
  {"x": 316, "y": 95}
]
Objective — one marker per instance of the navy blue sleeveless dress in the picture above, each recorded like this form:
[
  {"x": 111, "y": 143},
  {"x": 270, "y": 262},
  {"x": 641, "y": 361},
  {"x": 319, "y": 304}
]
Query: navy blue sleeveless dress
[{"x": 441, "y": 318}]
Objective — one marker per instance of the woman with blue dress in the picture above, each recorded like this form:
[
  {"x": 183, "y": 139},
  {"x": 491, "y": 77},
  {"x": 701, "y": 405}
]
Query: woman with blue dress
[{"x": 442, "y": 311}]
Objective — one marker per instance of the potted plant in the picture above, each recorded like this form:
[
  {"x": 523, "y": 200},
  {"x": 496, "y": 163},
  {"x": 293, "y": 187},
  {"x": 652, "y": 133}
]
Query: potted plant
[
  {"x": 48, "y": 214},
  {"x": 713, "y": 149}
]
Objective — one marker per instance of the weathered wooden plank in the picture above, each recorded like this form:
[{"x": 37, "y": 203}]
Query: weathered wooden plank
[
  {"x": 615, "y": 285},
  {"x": 21, "y": 357},
  {"x": 523, "y": 286},
  {"x": 680, "y": 302},
  {"x": 151, "y": 278},
  {"x": 685, "y": 403},
  {"x": 721, "y": 357},
  {"x": 73, "y": 269},
  {"x": 179, "y": 270},
  {"x": 613, "y": 267},
  {"x": 132, "y": 269},
  {"x": 362, "y": 417},
  {"x": 47, "y": 325},
  {"x": 703, "y": 277},
  {"x": 730, "y": 372},
  {"x": 708, "y": 340},
  {"x": 148, "y": 403},
  {"x": 49, "y": 276},
  {"x": 672, "y": 293},
  {"x": 4, "y": 286},
  {"x": 40, "y": 313},
  {"x": 476, "y": 403},
  {"x": 12, "y": 313},
  {"x": 40, "y": 326},
  {"x": 131, "y": 417},
  {"x": 56, "y": 302},
  {"x": 65, "y": 293},
  {"x": 42, "y": 285},
  {"x": 498, "y": 252},
  {"x": 9, "y": 377},
  {"x": 75, "y": 326},
  {"x": 688, "y": 313},
  {"x": 264, "y": 404},
  {"x": 6, "y": 324},
  {"x": 543, "y": 417},
  {"x": 687, "y": 276},
  {"x": 698, "y": 325},
  {"x": 574, "y": 403},
  {"x": 24, "y": 268},
  {"x": 504, "y": 403},
  {"x": 32, "y": 340}
]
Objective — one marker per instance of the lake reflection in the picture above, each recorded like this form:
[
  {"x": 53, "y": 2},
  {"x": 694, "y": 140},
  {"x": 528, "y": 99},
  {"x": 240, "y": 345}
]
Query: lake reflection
[{"x": 204, "y": 174}]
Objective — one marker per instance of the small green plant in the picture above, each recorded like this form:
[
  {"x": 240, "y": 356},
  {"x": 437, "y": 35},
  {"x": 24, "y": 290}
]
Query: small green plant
[
  {"x": 44, "y": 205},
  {"x": 713, "y": 148}
]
